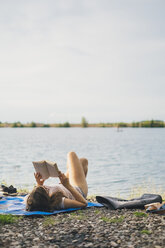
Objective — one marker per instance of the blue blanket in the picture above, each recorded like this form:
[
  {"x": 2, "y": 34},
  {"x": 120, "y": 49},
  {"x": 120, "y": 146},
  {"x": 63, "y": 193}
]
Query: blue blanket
[{"x": 16, "y": 206}]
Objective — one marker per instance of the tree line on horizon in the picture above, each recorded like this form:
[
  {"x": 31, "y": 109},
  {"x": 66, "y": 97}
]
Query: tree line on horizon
[{"x": 84, "y": 123}]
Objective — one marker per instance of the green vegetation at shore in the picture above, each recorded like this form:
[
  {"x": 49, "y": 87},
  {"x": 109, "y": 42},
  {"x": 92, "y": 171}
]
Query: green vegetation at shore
[
  {"x": 65, "y": 124},
  {"x": 8, "y": 219},
  {"x": 84, "y": 124}
]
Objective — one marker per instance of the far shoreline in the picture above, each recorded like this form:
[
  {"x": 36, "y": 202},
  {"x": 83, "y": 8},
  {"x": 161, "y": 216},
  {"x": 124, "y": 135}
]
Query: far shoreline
[{"x": 85, "y": 124}]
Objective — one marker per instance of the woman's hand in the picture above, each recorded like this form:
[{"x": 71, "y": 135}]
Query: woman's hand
[
  {"x": 64, "y": 180},
  {"x": 39, "y": 179}
]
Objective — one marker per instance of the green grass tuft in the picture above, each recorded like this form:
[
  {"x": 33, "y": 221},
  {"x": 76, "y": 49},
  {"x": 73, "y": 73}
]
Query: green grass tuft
[
  {"x": 97, "y": 211},
  {"x": 48, "y": 221},
  {"x": 140, "y": 214},
  {"x": 8, "y": 219},
  {"x": 73, "y": 214},
  {"x": 80, "y": 215},
  {"x": 146, "y": 232}
]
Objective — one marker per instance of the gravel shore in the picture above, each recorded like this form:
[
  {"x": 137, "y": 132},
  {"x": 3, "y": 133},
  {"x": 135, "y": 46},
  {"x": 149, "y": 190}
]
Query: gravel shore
[{"x": 93, "y": 227}]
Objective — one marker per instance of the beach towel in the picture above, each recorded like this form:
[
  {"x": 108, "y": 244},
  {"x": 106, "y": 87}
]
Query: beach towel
[
  {"x": 16, "y": 206},
  {"x": 136, "y": 203}
]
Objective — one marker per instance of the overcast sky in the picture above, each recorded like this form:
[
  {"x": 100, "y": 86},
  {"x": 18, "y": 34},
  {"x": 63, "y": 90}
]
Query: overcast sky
[{"x": 64, "y": 59}]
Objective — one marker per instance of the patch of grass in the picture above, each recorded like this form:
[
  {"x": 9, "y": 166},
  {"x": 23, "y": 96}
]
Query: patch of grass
[
  {"x": 80, "y": 215},
  {"x": 8, "y": 219},
  {"x": 97, "y": 211},
  {"x": 113, "y": 220},
  {"x": 140, "y": 214},
  {"x": 105, "y": 219},
  {"x": 48, "y": 221},
  {"x": 144, "y": 231},
  {"x": 73, "y": 214}
]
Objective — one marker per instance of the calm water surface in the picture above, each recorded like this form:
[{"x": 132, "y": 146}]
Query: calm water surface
[{"x": 118, "y": 161}]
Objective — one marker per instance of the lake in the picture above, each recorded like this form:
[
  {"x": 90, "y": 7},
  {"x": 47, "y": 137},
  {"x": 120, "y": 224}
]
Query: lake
[{"x": 118, "y": 161}]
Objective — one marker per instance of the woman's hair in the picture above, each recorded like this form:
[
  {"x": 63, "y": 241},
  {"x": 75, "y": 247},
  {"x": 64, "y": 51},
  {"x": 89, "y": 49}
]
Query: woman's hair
[{"x": 39, "y": 200}]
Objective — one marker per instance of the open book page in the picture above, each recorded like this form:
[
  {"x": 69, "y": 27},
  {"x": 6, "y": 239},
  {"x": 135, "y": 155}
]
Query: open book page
[
  {"x": 41, "y": 167},
  {"x": 52, "y": 168}
]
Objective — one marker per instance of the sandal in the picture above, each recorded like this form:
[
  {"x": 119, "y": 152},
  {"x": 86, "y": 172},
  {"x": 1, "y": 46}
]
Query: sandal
[{"x": 9, "y": 190}]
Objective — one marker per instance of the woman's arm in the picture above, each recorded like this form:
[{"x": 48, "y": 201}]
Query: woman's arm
[
  {"x": 76, "y": 194},
  {"x": 68, "y": 203},
  {"x": 78, "y": 197}
]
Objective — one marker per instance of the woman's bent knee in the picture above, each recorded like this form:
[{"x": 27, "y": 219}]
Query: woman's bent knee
[
  {"x": 72, "y": 155},
  {"x": 84, "y": 161}
]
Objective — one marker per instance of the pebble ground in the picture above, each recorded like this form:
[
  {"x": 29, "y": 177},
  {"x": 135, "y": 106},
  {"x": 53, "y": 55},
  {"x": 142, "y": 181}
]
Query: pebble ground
[{"x": 93, "y": 227}]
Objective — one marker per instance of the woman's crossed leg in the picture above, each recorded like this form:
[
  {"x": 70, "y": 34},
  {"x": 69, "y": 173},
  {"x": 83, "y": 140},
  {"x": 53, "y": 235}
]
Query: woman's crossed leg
[{"x": 77, "y": 171}]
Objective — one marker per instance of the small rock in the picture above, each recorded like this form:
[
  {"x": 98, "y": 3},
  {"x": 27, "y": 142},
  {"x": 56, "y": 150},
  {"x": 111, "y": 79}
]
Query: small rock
[
  {"x": 113, "y": 244},
  {"x": 88, "y": 245},
  {"x": 36, "y": 239}
]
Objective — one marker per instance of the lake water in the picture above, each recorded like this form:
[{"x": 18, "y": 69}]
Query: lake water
[{"x": 118, "y": 161}]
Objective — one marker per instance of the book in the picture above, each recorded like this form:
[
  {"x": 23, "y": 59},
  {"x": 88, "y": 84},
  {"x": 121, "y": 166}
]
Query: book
[{"x": 46, "y": 168}]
